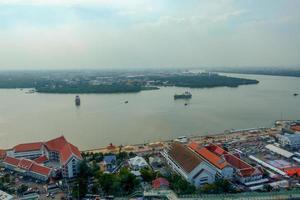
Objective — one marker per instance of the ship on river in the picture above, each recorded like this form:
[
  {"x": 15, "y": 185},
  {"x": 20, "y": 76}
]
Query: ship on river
[
  {"x": 77, "y": 100},
  {"x": 185, "y": 95}
]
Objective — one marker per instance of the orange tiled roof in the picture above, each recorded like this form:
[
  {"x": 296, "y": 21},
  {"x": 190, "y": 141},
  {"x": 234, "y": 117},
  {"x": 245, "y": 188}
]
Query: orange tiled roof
[
  {"x": 214, "y": 152},
  {"x": 11, "y": 160},
  {"x": 60, "y": 145},
  {"x": 28, "y": 165},
  {"x": 41, "y": 159},
  {"x": 214, "y": 159},
  {"x": 28, "y": 147},
  {"x": 65, "y": 149},
  {"x": 25, "y": 164},
  {"x": 40, "y": 169}
]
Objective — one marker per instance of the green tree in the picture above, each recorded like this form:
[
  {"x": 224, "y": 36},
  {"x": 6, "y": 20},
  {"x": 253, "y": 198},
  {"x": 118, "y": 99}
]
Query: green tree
[
  {"x": 128, "y": 181},
  {"x": 21, "y": 189},
  {"x": 147, "y": 174},
  {"x": 109, "y": 183},
  {"x": 180, "y": 186}
]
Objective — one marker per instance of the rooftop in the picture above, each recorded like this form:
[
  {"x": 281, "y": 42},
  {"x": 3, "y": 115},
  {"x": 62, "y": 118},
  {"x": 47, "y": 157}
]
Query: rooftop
[
  {"x": 211, "y": 157},
  {"x": 28, "y": 147},
  {"x": 184, "y": 157},
  {"x": 28, "y": 165}
]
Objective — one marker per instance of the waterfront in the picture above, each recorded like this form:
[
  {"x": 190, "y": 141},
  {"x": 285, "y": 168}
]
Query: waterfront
[{"x": 148, "y": 115}]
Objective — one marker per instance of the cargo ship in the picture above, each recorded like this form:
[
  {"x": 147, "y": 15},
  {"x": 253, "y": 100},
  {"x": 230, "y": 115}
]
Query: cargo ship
[
  {"x": 77, "y": 100},
  {"x": 185, "y": 95}
]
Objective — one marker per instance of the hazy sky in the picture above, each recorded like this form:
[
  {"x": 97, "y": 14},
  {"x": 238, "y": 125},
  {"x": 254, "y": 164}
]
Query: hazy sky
[{"x": 61, "y": 34}]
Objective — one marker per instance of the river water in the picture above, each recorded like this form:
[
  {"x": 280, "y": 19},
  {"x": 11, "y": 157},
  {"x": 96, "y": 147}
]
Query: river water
[{"x": 148, "y": 115}]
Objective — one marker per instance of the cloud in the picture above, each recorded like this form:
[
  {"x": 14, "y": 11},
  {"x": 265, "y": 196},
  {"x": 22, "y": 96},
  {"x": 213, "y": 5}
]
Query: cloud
[{"x": 146, "y": 33}]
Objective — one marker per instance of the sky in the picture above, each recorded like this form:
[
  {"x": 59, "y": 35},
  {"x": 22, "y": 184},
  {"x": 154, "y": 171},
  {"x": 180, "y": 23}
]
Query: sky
[{"x": 124, "y": 34}]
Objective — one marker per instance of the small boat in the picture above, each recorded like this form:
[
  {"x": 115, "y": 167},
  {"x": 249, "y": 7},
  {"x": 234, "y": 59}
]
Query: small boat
[
  {"x": 77, "y": 100},
  {"x": 185, "y": 104},
  {"x": 126, "y": 102},
  {"x": 185, "y": 95},
  {"x": 296, "y": 94},
  {"x": 31, "y": 91}
]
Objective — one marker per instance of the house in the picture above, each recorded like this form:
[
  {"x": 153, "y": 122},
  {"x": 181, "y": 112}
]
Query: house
[
  {"x": 109, "y": 162},
  {"x": 28, "y": 168},
  {"x": 188, "y": 164},
  {"x": 160, "y": 183},
  {"x": 138, "y": 163},
  {"x": 217, "y": 162},
  {"x": 155, "y": 162},
  {"x": 57, "y": 153}
]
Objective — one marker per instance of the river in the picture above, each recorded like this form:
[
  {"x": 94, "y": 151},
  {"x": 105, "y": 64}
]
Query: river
[{"x": 148, "y": 115}]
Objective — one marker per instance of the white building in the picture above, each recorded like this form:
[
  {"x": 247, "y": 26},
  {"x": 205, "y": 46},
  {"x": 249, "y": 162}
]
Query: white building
[
  {"x": 138, "y": 163},
  {"x": 186, "y": 163}
]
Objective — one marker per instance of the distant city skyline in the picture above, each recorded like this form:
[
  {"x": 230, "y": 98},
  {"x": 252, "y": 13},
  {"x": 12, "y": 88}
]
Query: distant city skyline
[{"x": 131, "y": 34}]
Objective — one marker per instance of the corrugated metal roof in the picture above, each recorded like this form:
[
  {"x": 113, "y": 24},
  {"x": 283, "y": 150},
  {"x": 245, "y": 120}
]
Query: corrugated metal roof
[{"x": 279, "y": 150}]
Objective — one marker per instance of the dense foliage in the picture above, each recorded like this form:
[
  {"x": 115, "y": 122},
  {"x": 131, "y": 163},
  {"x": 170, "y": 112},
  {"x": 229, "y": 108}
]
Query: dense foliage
[
  {"x": 55, "y": 82},
  {"x": 203, "y": 80}
]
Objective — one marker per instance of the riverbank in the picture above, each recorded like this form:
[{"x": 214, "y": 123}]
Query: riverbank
[{"x": 226, "y": 136}]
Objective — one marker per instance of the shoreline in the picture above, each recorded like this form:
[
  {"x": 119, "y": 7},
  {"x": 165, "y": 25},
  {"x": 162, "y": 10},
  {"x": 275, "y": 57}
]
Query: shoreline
[{"x": 222, "y": 136}]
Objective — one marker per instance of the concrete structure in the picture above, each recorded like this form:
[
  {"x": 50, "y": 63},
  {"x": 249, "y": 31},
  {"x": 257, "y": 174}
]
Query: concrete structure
[
  {"x": 290, "y": 141},
  {"x": 57, "y": 153},
  {"x": 189, "y": 165},
  {"x": 5, "y": 196}
]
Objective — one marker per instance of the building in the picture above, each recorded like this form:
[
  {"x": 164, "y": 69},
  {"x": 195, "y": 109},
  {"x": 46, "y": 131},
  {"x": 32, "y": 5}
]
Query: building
[
  {"x": 58, "y": 154},
  {"x": 28, "y": 168},
  {"x": 160, "y": 183},
  {"x": 289, "y": 141},
  {"x": 243, "y": 172},
  {"x": 109, "y": 163},
  {"x": 138, "y": 163},
  {"x": 5, "y": 196},
  {"x": 279, "y": 151},
  {"x": 217, "y": 162},
  {"x": 188, "y": 164}
]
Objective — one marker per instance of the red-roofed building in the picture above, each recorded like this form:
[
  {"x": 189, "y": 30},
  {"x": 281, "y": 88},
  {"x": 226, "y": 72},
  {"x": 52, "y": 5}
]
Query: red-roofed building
[
  {"x": 28, "y": 168},
  {"x": 66, "y": 154},
  {"x": 160, "y": 183},
  {"x": 57, "y": 150},
  {"x": 41, "y": 159},
  {"x": 28, "y": 150},
  {"x": 224, "y": 169},
  {"x": 188, "y": 164},
  {"x": 243, "y": 171}
]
